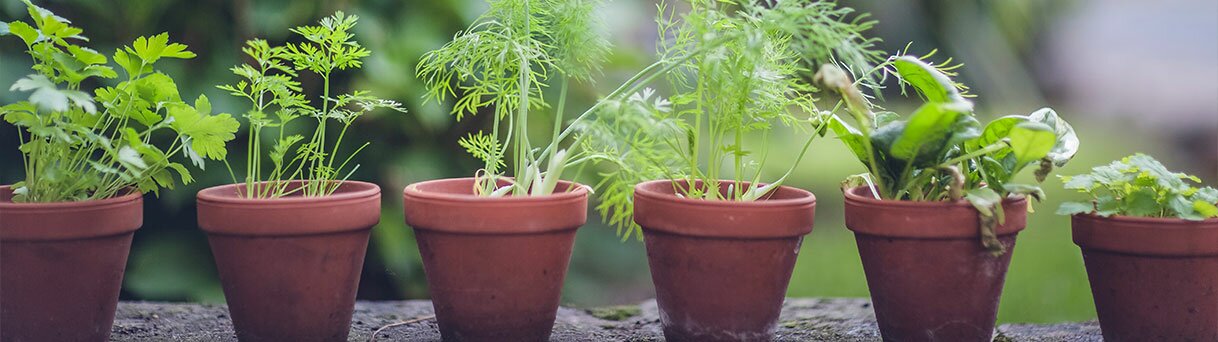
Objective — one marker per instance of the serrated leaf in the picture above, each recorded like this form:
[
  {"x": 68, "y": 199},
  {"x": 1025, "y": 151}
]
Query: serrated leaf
[
  {"x": 1141, "y": 202},
  {"x": 1072, "y": 208},
  {"x": 131, "y": 158},
  {"x": 24, "y": 31},
  {"x": 207, "y": 133}
]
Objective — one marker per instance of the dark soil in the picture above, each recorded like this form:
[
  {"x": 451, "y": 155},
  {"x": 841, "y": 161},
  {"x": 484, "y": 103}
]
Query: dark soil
[{"x": 802, "y": 320}]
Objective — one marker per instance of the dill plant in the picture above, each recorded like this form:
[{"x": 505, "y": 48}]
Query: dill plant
[
  {"x": 735, "y": 69},
  {"x": 503, "y": 62},
  {"x": 272, "y": 86},
  {"x": 78, "y": 145}
]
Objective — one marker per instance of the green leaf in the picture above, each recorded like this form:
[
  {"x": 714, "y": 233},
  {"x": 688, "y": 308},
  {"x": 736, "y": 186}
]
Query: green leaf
[
  {"x": 24, "y": 31},
  {"x": 152, "y": 49},
  {"x": 4, "y": 29},
  {"x": 995, "y": 131},
  {"x": 1030, "y": 141},
  {"x": 182, "y": 172},
  {"x": 1142, "y": 202},
  {"x": 1066, "y": 144},
  {"x": 848, "y": 135},
  {"x": 1073, "y": 208},
  {"x": 927, "y": 133},
  {"x": 929, "y": 81},
  {"x": 47, "y": 96},
  {"x": 131, "y": 158},
  {"x": 1205, "y": 209},
  {"x": 207, "y": 133}
]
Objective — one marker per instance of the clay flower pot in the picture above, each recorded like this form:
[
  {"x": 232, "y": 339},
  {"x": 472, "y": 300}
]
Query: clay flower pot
[
  {"x": 1153, "y": 279},
  {"x": 495, "y": 266},
  {"x": 61, "y": 266},
  {"x": 721, "y": 268},
  {"x": 930, "y": 277},
  {"x": 290, "y": 266}
]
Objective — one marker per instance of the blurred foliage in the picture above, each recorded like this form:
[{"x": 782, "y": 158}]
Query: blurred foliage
[{"x": 170, "y": 258}]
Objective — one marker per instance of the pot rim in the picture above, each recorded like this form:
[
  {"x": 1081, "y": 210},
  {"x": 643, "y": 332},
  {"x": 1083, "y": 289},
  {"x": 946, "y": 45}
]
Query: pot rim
[
  {"x": 852, "y": 196},
  {"x": 415, "y": 191},
  {"x": 434, "y": 205},
  {"x": 1144, "y": 219},
  {"x": 131, "y": 195},
  {"x": 805, "y": 198},
  {"x": 657, "y": 210},
  {"x": 225, "y": 195},
  {"x": 1147, "y": 236}
]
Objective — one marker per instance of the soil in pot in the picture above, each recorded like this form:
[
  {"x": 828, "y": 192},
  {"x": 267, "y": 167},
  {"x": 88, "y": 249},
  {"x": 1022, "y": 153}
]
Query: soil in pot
[
  {"x": 61, "y": 266},
  {"x": 1153, "y": 279},
  {"x": 495, "y": 266},
  {"x": 721, "y": 268},
  {"x": 290, "y": 266},
  {"x": 929, "y": 275}
]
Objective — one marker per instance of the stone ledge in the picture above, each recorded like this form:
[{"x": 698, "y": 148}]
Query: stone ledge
[{"x": 803, "y": 319}]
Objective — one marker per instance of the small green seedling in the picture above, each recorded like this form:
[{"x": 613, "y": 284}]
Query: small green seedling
[
  {"x": 1139, "y": 185},
  {"x": 272, "y": 86},
  {"x": 80, "y": 146}
]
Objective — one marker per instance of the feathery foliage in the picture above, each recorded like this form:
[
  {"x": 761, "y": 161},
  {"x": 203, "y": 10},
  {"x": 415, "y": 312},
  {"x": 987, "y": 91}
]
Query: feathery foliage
[
  {"x": 735, "y": 69},
  {"x": 79, "y": 146},
  {"x": 503, "y": 61},
  {"x": 271, "y": 85}
]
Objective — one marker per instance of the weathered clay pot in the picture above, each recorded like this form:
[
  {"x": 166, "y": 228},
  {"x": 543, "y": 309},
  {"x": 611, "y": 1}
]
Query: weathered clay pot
[
  {"x": 290, "y": 266},
  {"x": 1153, "y": 279},
  {"x": 495, "y": 266},
  {"x": 930, "y": 277},
  {"x": 61, "y": 266},
  {"x": 721, "y": 268}
]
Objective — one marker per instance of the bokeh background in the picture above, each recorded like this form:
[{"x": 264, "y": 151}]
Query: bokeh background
[{"x": 1131, "y": 75}]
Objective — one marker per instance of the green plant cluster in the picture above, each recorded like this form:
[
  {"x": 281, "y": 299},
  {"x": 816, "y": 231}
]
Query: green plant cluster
[
  {"x": 737, "y": 68},
  {"x": 1139, "y": 185},
  {"x": 272, "y": 86},
  {"x": 78, "y": 145},
  {"x": 502, "y": 62},
  {"x": 940, "y": 151}
]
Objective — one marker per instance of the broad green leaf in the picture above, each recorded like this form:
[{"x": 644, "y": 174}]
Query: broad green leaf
[
  {"x": 850, "y": 136},
  {"x": 1072, "y": 208},
  {"x": 207, "y": 133},
  {"x": 1030, "y": 141},
  {"x": 927, "y": 133},
  {"x": 130, "y": 158},
  {"x": 995, "y": 131},
  {"x": 1205, "y": 209},
  {"x": 1142, "y": 202},
  {"x": 24, "y": 31},
  {"x": 1066, "y": 144},
  {"x": 1107, "y": 206},
  {"x": 930, "y": 82}
]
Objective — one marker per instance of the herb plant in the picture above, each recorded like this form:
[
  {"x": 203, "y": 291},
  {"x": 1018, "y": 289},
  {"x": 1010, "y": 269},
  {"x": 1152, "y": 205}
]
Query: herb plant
[
  {"x": 1139, "y": 185},
  {"x": 80, "y": 146},
  {"x": 738, "y": 69},
  {"x": 272, "y": 86},
  {"x": 503, "y": 61},
  {"x": 941, "y": 152}
]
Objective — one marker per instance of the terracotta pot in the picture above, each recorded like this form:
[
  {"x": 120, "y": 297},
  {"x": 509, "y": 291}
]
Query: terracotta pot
[
  {"x": 495, "y": 266},
  {"x": 721, "y": 268},
  {"x": 290, "y": 266},
  {"x": 61, "y": 266},
  {"x": 1153, "y": 279},
  {"x": 930, "y": 277}
]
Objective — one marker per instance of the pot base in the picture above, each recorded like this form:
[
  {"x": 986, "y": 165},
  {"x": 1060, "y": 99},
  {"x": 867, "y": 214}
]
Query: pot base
[
  {"x": 291, "y": 288},
  {"x": 934, "y": 289},
  {"x": 1144, "y": 298}
]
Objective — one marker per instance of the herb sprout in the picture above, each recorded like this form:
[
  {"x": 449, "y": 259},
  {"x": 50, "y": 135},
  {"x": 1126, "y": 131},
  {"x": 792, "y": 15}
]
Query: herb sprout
[
  {"x": 1139, "y": 185},
  {"x": 272, "y": 85},
  {"x": 738, "y": 69},
  {"x": 74, "y": 150},
  {"x": 941, "y": 152}
]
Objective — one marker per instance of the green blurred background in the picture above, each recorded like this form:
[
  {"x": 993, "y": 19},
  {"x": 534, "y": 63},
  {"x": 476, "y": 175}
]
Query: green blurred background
[{"x": 1132, "y": 76}]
